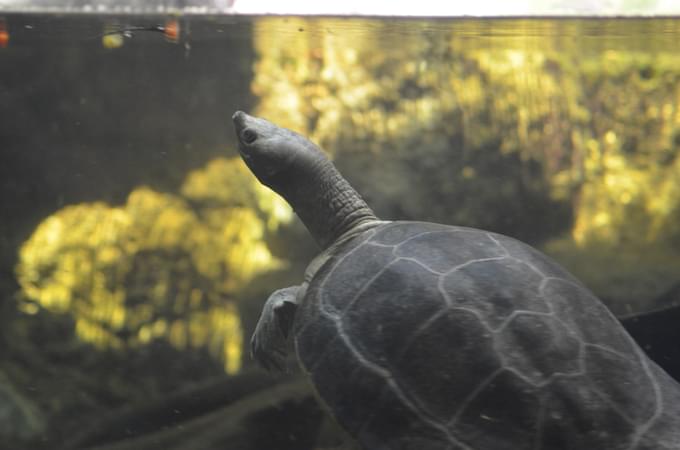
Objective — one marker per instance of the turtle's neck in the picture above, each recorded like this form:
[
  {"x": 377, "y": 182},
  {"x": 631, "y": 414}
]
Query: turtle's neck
[{"x": 325, "y": 202}]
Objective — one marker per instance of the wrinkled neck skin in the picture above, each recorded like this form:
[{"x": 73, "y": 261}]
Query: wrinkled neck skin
[{"x": 325, "y": 202}]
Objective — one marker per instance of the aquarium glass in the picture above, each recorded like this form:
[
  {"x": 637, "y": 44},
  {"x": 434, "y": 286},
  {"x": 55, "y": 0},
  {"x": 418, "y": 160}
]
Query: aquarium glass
[{"x": 137, "y": 249}]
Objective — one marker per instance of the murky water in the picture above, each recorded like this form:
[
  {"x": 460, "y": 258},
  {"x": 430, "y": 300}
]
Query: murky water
[{"x": 136, "y": 250}]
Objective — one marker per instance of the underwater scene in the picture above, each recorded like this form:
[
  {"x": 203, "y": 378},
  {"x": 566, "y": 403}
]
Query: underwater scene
[{"x": 138, "y": 249}]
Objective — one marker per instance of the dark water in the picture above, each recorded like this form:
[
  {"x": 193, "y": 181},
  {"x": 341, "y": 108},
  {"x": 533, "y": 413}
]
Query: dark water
[{"x": 136, "y": 251}]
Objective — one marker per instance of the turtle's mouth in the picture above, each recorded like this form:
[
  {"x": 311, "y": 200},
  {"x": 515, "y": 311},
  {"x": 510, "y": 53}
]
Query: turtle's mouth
[
  {"x": 243, "y": 151},
  {"x": 244, "y": 156},
  {"x": 239, "y": 118}
]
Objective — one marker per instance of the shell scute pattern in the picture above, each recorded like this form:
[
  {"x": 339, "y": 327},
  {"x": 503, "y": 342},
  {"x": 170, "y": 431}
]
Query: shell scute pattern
[
  {"x": 600, "y": 427},
  {"x": 665, "y": 422},
  {"x": 600, "y": 364},
  {"x": 309, "y": 339},
  {"x": 360, "y": 269},
  {"x": 433, "y": 380},
  {"x": 390, "y": 414},
  {"x": 539, "y": 348},
  {"x": 533, "y": 259},
  {"x": 509, "y": 288},
  {"x": 352, "y": 380},
  {"x": 390, "y": 297},
  {"x": 475, "y": 339},
  {"x": 315, "y": 323},
  {"x": 439, "y": 259},
  {"x": 572, "y": 303},
  {"x": 512, "y": 423},
  {"x": 392, "y": 235}
]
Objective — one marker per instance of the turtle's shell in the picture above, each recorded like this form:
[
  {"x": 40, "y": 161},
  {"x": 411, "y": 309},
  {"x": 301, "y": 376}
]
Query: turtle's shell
[{"x": 421, "y": 336}]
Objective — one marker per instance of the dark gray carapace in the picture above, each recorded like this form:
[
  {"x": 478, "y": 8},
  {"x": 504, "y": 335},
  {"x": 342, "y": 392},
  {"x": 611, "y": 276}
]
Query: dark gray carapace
[
  {"x": 429, "y": 337},
  {"x": 420, "y": 336}
]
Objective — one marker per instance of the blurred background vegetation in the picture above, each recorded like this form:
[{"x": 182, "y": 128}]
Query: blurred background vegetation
[{"x": 136, "y": 249}]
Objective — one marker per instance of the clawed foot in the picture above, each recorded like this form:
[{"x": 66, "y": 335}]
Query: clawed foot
[
  {"x": 267, "y": 353},
  {"x": 268, "y": 344}
]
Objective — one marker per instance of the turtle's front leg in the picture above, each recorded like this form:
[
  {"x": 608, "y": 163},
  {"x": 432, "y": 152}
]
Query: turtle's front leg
[{"x": 268, "y": 344}]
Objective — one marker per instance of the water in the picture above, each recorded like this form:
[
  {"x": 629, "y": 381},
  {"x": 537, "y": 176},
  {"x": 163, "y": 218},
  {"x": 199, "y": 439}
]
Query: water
[{"x": 136, "y": 250}]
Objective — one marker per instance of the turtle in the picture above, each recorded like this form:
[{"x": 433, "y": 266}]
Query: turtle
[{"x": 425, "y": 336}]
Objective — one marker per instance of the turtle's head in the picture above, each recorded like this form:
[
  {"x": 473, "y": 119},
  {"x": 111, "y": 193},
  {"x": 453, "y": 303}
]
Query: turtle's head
[
  {"x": 299, "y": 171},
  {"x": 269, "y": 150}
]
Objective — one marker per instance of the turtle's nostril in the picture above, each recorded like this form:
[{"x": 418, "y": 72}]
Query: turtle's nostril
[{"x": 239, "y": 119}]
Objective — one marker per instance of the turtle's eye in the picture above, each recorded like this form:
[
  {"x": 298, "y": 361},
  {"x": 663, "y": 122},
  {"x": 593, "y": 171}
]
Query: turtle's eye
[{"x": 248, "y": 136}]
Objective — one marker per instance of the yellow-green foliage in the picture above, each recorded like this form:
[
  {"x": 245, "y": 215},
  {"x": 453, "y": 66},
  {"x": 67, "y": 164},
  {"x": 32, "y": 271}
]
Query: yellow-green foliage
[
  {"x": 630, "y": 159},
  {"x": 603, "y": 122},
  {"x": 154, "y": 267},
  {"x": 600, "y": 118},
  {"x": 228, "y": 183}
]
